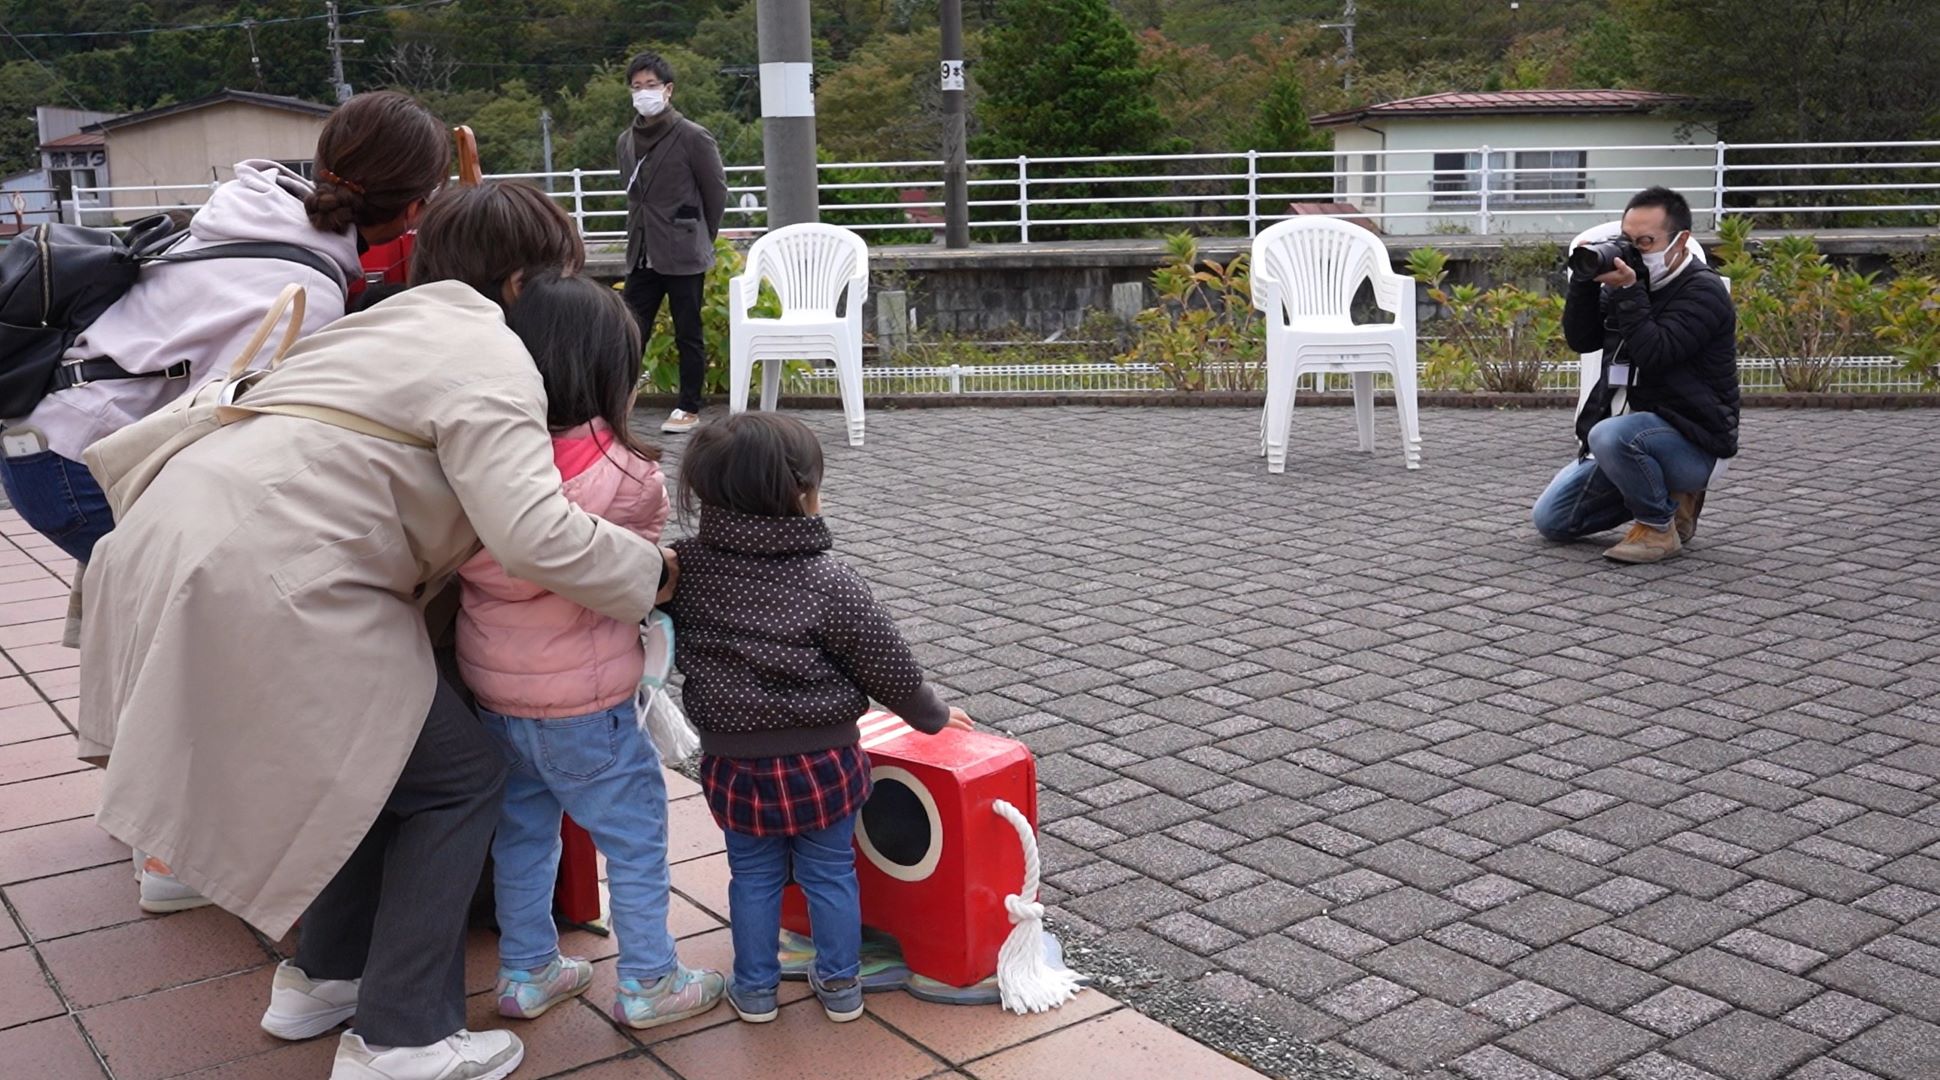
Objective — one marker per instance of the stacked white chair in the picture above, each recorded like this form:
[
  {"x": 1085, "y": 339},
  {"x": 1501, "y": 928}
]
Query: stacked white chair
[
  {"x": 1589, "y": 365},
  {"x": 812, "y": 267},
  {"x": 1305, "y": 272}
]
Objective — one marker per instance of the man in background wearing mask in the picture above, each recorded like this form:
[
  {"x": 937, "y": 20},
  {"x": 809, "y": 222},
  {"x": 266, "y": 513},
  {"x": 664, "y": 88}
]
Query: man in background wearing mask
[
  {"x": 1666, "y": 407},
  {"x": 676, "y": 192}
]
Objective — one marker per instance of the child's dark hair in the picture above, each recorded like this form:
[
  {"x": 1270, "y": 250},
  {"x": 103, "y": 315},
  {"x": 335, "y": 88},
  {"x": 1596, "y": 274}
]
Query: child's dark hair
[
  {"x": 756, "y": 463},
  {"x": 484, "y": 235},
  {"x": 586, "y": 345}
]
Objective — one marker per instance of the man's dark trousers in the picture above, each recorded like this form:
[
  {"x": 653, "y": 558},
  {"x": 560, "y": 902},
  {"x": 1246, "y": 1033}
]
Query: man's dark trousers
[{"x": 644, "y": 290}]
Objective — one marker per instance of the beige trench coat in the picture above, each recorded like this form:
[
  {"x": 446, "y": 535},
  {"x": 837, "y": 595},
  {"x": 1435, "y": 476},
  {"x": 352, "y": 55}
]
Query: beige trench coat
[{"x": 254, "y": 650}]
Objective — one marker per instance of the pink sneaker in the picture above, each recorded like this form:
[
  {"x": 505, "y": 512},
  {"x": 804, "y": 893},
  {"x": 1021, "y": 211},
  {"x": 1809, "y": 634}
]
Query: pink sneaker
[{"x": 526, "y": 995}]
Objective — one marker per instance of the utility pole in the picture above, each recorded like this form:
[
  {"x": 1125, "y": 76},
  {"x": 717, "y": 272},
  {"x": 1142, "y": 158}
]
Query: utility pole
[
  {"x": 956, "y": 183},
  {"x": 1346, "y": 28},
  {"x": 787, "y": 111},
  {"x": 337, "y": 43},
  {"x": 545, "y": 143}
]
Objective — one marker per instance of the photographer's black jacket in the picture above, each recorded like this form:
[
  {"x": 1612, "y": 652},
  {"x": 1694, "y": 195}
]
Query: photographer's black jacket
[{"x": 1681, "y": 344}]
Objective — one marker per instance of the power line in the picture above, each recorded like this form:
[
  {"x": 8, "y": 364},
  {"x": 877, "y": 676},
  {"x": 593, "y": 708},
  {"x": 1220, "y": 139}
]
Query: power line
[{"x": 243, "y": 24}]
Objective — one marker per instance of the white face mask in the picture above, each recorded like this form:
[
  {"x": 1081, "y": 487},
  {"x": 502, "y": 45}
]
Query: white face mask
[
  {"x": 1654, "y": 261},
  {"x": 650, "y": 103}
]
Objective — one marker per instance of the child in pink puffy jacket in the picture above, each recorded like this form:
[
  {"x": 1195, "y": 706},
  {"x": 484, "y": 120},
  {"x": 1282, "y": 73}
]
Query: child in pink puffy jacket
[{"x": 556, "y": 682}]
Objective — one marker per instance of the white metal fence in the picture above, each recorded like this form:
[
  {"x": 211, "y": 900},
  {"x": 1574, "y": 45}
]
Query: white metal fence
[
  {"x": 1479, "y": 190},
  {"x": 1867, "y": 374}
]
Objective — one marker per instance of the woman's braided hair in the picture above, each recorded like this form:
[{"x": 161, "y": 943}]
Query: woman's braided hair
[{"x": 378, "y": 153}]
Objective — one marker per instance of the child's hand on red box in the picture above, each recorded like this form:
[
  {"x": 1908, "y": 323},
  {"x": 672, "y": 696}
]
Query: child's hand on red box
[{"x": 959, "y": 720}]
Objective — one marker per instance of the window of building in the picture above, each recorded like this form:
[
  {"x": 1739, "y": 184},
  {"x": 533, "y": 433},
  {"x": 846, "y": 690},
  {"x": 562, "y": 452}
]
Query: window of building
[
  {"x": 307, "y": 168},
  {"x": 66, "y": 180},
  {"x": 1562, "y": 176},
  {"x": 1458, "y": 177}
]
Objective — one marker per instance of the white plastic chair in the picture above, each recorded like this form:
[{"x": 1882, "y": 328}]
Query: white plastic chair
[
  {"x": 812, "y": 267},
  {"x": 1589, "y": 365},
  {"x": 1305, "y": 273}
]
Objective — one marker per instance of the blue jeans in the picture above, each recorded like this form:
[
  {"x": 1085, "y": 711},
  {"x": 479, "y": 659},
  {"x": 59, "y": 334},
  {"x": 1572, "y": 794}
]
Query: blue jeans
[
  {"x": 824, "y": 866},
  {"x": 1637, "y": 463},
  {"x": 60, "y": 499},
  {"x": 603, "y": 771}
]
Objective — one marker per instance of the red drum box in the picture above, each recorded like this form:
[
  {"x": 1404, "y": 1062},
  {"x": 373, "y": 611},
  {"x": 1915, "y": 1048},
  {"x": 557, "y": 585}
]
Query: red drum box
[{"x": 933, "y": 859}]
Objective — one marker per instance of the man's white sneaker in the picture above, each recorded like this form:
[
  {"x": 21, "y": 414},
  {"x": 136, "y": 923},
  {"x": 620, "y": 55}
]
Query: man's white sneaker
[
  {"x": 303, "y": 1008},
  {"x": 679, "y": 422},
  {"x": 467, "y": 1055},
  {"x": 161, "y": 893}
]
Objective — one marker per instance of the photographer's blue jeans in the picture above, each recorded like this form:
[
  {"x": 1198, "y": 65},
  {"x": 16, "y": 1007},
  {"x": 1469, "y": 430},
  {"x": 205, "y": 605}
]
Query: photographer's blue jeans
[
  {"x": 823, "y": 864},
  {"x": 1637, "y": 463},
  {"x": 59, "y": 499}
]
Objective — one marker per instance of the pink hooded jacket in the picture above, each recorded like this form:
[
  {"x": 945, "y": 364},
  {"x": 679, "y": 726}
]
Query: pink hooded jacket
[{"x": 530, "y": 653}]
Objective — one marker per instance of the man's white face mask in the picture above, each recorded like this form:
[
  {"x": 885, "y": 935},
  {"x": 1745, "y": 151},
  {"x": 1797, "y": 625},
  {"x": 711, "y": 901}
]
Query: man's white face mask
[
  {"x": 1656, "y": 263},
  {"x": 650, "y": 103}
]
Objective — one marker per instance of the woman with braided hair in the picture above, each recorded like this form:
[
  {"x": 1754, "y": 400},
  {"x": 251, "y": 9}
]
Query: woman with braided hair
[{"x": 379, "y": 157}]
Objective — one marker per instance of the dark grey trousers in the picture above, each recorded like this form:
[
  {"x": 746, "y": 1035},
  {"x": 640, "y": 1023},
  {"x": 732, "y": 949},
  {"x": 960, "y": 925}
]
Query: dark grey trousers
[{"x": 395, "y": 914}]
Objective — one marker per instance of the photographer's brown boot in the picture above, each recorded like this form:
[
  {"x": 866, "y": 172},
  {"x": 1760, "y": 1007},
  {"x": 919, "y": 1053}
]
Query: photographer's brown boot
[
  {"x": 1643, "y": 544},
  {"x": 1689, "y": 505}
]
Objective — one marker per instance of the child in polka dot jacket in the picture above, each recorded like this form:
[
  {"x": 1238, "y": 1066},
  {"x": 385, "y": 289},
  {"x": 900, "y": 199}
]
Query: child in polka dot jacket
[
  {"x": 782, "y": 647},
  {"x": 556, "y": 681}
]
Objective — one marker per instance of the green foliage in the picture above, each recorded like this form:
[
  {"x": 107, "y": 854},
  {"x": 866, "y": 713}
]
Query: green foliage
[
  {"x": 884, "y": 104},
  {"x": 874, "y": 197},
  {"x": 1909, "y": 324},
  {"x": 1204, "y": 333},
  {"x": 1798, "y": 70},
  {"x": 1797, "y": 308},
  {"x": 660, "y": 367},
  {"x": 507, "y": 127},
  {"x": 1063, "y": 77},
  {"x": 22, "y": 86},
  {"x": 1497, "y": 339}
]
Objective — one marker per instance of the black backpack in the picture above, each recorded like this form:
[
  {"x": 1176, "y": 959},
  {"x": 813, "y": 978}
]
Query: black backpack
[{"x": 55, "y": 280}]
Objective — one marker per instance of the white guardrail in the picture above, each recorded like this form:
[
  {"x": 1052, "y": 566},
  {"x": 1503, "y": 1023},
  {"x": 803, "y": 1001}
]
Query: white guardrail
[
  {"x": 1475, "y": 190},
  {"x": 1870, "y": 374}
]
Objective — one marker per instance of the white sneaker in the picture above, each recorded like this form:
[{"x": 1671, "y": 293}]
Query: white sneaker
[
  {"x": 161, "y": 893},
  {"x": 303, "y": 1008},
  {"x": 467, "y": 1055},
  {"x": 679, "y": 423}
]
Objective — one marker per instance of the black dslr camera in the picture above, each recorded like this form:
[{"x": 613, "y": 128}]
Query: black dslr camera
[{"x": 1594, "y": 260}]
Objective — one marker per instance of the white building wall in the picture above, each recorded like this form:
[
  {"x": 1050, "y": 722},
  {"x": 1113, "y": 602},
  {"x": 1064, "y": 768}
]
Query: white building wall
[{"x": 1409, "y": 207}]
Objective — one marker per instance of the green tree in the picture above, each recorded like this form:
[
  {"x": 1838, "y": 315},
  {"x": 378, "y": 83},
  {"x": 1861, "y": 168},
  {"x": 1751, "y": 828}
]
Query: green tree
[
  {"x": 1799, "y": 70},
  {"x": 1063, "y": 77},
  {"x": 508, "y": 130},
  {"x": 885, "y": 104},
  {"x": 22, "y": 86}
]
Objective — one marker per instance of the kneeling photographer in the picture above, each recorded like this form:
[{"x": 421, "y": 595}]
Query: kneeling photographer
[{"x": 1666, "y": 406}]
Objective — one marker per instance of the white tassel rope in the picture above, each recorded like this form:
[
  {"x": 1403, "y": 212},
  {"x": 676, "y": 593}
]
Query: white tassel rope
[{"x": 1026, "y": 981}]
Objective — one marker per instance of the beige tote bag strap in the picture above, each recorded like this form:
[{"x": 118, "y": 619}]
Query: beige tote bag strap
[
  {"x": 335, "y": 418},
  {"x": 291, "y": 299}
]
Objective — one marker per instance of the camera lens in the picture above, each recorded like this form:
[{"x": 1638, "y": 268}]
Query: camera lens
[{"x": 1587, "y": 261}]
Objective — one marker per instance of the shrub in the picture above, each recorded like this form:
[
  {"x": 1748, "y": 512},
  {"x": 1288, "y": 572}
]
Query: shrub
[
  {"x": 1203, "y": 333},
  {"x": 660, "y": 366},
  {"x": 1909, "y": 325},
  {"x": 1500, "y": 339},
  {"x": 1795, "y": 307}
]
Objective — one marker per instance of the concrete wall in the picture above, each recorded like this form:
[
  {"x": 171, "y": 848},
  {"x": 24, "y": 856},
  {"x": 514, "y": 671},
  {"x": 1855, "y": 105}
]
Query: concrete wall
[
  {"x": 202, "y": 145},
  {"x": 1408, "y": 145}
]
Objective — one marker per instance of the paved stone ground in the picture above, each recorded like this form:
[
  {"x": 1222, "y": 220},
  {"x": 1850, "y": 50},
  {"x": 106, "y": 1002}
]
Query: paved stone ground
[
  {"x": 91, "y": 989},
  {"x": 1351, "y": 747}
]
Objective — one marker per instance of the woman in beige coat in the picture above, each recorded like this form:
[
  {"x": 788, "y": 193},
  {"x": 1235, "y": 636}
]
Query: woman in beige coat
[{"x": 256, "y": 650}]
